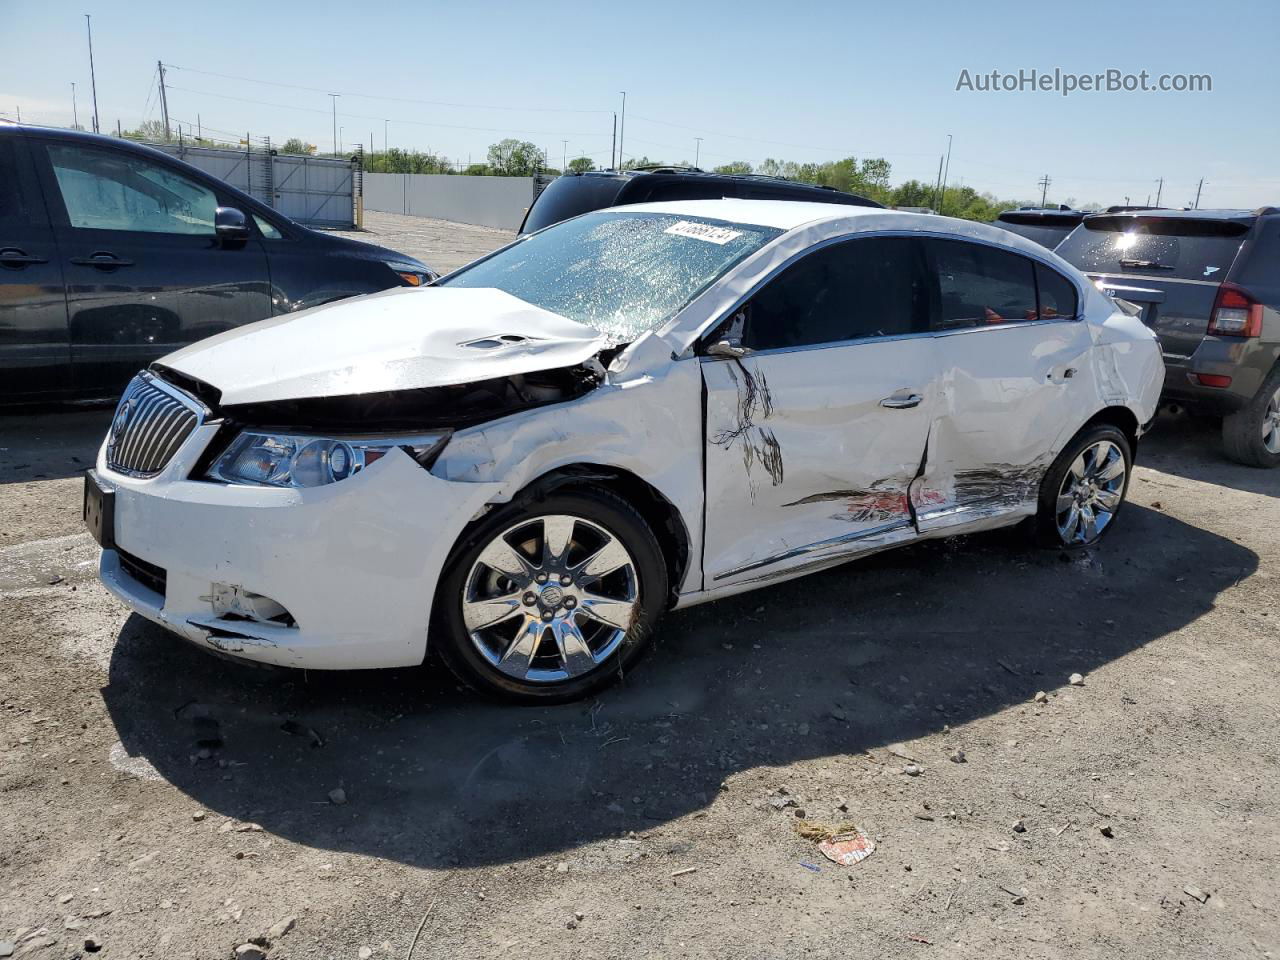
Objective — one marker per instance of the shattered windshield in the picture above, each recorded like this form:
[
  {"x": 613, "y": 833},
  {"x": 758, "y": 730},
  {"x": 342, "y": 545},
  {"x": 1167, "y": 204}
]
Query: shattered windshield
[{"x": 621, "y": 273}]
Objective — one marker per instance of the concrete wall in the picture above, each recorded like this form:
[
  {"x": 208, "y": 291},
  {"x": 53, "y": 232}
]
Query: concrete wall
[{"x": 487, "y": 201}]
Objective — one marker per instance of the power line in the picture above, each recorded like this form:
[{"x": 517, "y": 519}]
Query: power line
[{"x": 371, "y": 96}]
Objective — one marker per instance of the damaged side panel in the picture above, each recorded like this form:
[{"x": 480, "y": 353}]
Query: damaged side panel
[{"x": 804, "y": 463}]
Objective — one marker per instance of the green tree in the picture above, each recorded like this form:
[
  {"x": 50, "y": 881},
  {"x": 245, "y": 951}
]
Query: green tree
[
  {"x": 734, "y": 166},
  {"x": 515, "y": 158},
  {"x": 581, "y": 164},
  {"x": 912, "y": 193},
  {"x": 148, "y": 130},
  {"x": 295, "y": 145}
]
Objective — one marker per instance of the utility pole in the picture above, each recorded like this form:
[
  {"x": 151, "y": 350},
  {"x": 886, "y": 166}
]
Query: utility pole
[
  {"x": 697, "y": 150},
  {"x": 199, "y": 128},
  {"x": 386, "y": 125},
  {"x": 164, "y": 101},
  {"x": 613, "y": 150},
  {"x": 335, "y": 97},
  {"x": 1044, "y": 188},
  {"x": 564, "y": 162},
  {"x": 1200, "y": 187},
  {"x": 622, "y": 129},
  {"x": 92, "y": 79},
  {"x": 19, "y": 106},
  {"x": 1159, "y": 190},
  {"x": 937, "y": 186},
  {"x": 75, "y": 116},
  {"x": 946, "y": 172}
]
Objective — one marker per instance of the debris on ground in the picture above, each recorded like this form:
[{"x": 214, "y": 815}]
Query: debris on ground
[
  {"x": 899, "y": 750},
  {"x": 913, "y": 770},
  {"x": 1076, "y": 680},
  {"x": 683, "y": 871},
  {"x": 1041, "y": 697},
  {"x": 847, "y": 847},
  {"x": 337, "y": 796},
  {"x": 92, "y": 944},
  {"x": 281, "y": 927},
  {"x": 1106, "y": 830},
  {"x": 1019, "y": 827},
  {"x": 1196, "y": 893},
  {"x": 6, "y": 948},
  {"x": 813, "y": 867},
  {"x": 957, "y": 756},
  {"x": 296, "y": 729},
  {"x": 250, "y": 951}
]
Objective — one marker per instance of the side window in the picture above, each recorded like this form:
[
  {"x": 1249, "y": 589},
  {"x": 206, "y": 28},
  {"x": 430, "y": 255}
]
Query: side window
[
  {"x": 13, "y": 206},
  {"x": 872, "y": 287},
  {"x": 1057, "y": 294},
  {"x": 267, "y": 228},
  {"x": 980, "y": 285},
  {"x": 106, "y": 190}
]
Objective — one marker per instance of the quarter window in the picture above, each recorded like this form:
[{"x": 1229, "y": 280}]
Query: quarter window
[
  {"x": 1057, "y": 294},
  {"x": 871, "y": 287},
  {"x": 105, "y": 190},
  {"x": 12, "y": 206},
  {"x": 980, "y": 285}
]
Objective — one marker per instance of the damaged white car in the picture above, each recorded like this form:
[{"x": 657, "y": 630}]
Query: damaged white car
[{"x": 524, "y": 465}]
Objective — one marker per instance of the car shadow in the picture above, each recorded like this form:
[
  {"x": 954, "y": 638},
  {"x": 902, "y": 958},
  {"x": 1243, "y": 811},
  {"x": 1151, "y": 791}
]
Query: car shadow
[
  {"x": 886, "y": 649},
  {"x": 1191, "y": 447},
  {"x": 44, "y": 443}
]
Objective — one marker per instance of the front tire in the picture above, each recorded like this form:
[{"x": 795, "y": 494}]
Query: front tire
[
  {"x": 550, "y": 598},
  {"x": 1252, "y": 435},
  {"x": 1084, "y": 489}
]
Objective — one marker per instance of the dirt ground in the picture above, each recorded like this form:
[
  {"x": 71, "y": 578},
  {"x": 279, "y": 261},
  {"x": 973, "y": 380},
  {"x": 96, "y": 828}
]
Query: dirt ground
[
  {"x": 167, "y": 804},
  {"x": 564, "y": 831}
]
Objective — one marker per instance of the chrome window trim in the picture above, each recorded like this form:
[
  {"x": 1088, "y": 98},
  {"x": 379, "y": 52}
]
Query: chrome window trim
[{"x": 714, "y": 323}]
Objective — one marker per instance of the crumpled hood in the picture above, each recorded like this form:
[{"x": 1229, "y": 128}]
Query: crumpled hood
[{"x": 400, "y": 339}]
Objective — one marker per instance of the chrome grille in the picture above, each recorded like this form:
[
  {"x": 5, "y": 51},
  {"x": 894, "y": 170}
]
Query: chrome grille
[{"x": 151, "y": 423}]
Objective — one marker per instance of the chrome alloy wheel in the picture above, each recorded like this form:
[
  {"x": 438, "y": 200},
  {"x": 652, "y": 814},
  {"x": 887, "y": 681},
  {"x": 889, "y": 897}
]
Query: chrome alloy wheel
[
  {"x": 550, "y": 598},
  {"x": 1271, "y": 424},
  {"x": 1091, "y": 492}
]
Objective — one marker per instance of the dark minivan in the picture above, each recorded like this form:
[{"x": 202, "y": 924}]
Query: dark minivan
[
  {"x": 1208, "y": 283},
  {"x": 576, "y": 193},
  {"x": 113, "y": 254}
]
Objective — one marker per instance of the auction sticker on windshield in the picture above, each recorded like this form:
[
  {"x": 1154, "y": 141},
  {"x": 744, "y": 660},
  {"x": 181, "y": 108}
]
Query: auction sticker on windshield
[{"x": 703, "y": 231}]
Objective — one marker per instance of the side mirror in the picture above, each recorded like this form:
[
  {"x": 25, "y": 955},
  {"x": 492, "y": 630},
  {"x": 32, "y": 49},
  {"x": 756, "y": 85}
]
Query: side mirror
[
  {"x": 730, "y": 347},
  {"x": 230, "y": 224}
]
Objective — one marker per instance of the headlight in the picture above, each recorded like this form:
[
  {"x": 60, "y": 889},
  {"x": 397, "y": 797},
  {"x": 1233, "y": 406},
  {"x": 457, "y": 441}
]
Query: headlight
[
  {"x": 412, "y": 272},
  {"x": 287, "y": 460}
]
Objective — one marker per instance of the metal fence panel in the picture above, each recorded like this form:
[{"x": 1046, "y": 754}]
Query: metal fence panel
[
  {"x": 488, "y": 201},
  {"x": 316, "y": 191}
]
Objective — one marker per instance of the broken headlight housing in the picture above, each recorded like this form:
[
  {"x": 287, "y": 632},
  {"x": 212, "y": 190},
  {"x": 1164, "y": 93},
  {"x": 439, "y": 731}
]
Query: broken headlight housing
[{"x": 289, "y": 460}]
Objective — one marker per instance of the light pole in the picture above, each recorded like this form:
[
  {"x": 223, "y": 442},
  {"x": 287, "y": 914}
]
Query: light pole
[
  {"x": 697, "y": 150},
  {"x": 942, "y": 198},
  {"x": 564, "y": 157},
  {"x": 386, "y": 124},
  {"x": 340, "y": 131},
  {"x": 335, "y": 97},
  {"x": 622, "y": 128},
  {"x": 93, "y": 82},
  {"x": 75, "y": 116}
]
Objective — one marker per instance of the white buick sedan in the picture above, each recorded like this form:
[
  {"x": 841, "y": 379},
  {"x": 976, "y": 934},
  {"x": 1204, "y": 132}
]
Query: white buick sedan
[{"x": 522, "y": 466}]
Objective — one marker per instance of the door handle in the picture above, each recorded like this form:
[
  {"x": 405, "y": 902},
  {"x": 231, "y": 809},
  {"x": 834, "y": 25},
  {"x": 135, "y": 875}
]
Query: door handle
[
  {"x": 899, "y": 402},
  {"x": 1063, "y": 377},
  {"x": 13, "y": 257},
  {"x": 103, "y": 260}
]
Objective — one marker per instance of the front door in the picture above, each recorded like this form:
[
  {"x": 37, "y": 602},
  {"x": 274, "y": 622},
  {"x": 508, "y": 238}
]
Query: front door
[
  {"x": 34, "y": 356},
  {"x": 815, "y": 435},
  {"x": 145, "y": 270},
  {"x": 1014, "y": 381}
]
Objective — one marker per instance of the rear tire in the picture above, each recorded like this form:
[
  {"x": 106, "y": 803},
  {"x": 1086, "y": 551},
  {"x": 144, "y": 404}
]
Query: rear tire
[
  {"x": 1084, "y": 488},
  {"x": 1252, "y": 435},
  {"x": 551, "y": 597}
]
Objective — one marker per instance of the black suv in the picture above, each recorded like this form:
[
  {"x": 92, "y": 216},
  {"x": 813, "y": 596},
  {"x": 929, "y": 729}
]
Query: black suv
[
  {"x": 1047, "y": 226},
  {"x": 1208, "y": 284},
  {"x": 113, "y": 254},
  {"x": 575, "y": 193}
]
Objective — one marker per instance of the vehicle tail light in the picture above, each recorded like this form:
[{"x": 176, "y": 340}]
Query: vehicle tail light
[
  {"x": 1210, "y": 379},
  {"x": 1235, "y": 313}
]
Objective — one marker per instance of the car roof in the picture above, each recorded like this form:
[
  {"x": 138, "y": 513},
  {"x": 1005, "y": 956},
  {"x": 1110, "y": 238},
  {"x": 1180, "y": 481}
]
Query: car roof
[
  {"x": 780, "y": 214},
  {"x": 1161, "y": 213}
]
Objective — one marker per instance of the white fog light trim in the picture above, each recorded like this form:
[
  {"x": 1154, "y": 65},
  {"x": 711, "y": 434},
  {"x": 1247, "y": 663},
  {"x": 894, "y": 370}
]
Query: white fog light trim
[{"x": 289, "y": 460}]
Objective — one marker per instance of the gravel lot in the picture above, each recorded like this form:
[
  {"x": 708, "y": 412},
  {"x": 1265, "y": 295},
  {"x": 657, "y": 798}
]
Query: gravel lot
[
  {"x": 169, "y": 804},
  {"x": 440, "y": 244}
]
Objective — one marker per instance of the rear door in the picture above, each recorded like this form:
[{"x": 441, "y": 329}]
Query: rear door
[
  {"x": 34, "y": 353},
  {"x": 814, "y": 437},
  {"x": 1170, "y": 266},
  {"x": 144, "y": 268},
  {"x": 1014, "y": 380}
]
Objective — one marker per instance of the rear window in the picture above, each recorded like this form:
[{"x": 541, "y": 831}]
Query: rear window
[
  {"x": 566, "y": 197},
  {"x": 1184, "y": 249}
]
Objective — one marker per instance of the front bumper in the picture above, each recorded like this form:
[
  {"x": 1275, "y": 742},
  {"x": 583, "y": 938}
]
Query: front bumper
[{"x": 355, "y": 563}]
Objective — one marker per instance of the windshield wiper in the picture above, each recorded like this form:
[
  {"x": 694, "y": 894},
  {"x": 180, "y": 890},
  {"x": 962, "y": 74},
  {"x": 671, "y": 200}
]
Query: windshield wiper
[{"x": 1145, "y": 264}]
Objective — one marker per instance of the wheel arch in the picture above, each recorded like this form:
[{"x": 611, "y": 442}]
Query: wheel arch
[
  {"x": 1120, "y": 417},
  {"x": 663, "y": 516}
]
